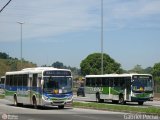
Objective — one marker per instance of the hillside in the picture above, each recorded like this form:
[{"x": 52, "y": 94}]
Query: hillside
[{"x": 13, "y": 65}]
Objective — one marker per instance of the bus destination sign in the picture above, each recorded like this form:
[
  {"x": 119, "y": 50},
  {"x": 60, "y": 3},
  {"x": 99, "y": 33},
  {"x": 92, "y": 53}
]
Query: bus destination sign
[{"x": 57, "y": 73}]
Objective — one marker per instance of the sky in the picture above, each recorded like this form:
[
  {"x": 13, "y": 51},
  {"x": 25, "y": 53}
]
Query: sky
[{"x": 69, "y": 30}]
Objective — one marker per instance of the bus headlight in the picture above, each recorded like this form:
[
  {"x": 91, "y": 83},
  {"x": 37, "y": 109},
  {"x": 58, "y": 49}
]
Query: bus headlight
[
  {"x": 45, "y": 97},
  {"x": 151, "y": 95},
  {"x": 133, "y": 95}
]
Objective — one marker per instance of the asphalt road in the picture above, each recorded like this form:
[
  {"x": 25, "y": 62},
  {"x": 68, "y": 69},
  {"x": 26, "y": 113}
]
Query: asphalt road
[
  {"x": 7, "y": 110},
  {"x": 27, "y": 112}
]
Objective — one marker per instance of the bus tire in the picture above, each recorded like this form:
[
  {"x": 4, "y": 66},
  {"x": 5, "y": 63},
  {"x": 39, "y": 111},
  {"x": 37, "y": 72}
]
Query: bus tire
[
  {"x": 98, "y": 98},
  {"x": 34, "y": 102},
  {"x": 121, "y": 99},
  {"x": 15, "y": 100},
  {"x": 61, "y": 106},
  {"x": 140, "y": 103}
]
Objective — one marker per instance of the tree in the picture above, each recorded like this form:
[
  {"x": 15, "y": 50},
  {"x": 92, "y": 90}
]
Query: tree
[
  {"x": 4, "y": 55},
  {"x": 137, "y": 69},
  {"x": 92, "y": 64},
  {"x": 75, "y": 71},
  {"x": 148, "y": 70},
  {"x": 156, "y": 71},
  {"x": 58, "y": 64},
  {"x": 12, "y": 64},
  {"x": 156, "y": 77}
]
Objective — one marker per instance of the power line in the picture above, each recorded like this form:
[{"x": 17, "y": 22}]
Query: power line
[{"x": 5, "y": 6}]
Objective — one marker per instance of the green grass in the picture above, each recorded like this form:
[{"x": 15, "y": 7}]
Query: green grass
[
  {"x": 2, "y": 96},
  {"x": 121, "y": 108}
]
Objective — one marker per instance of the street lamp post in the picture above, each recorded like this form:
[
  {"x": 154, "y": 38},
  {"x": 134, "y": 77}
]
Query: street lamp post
[
  {"x": 101, "y": 36},
  {"x": 21, "y": 23}
]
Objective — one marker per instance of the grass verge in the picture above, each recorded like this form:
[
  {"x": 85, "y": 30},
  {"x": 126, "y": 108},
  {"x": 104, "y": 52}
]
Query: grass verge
[
  {"x": 2, "y": 96},
  {"x": 120, "y": 108}
]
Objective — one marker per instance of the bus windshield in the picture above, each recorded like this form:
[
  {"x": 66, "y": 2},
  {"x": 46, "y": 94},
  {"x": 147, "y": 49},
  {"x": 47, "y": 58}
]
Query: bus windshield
[
  {"x": 142, "y": 83},
  {"x": 57, "y": 84}
]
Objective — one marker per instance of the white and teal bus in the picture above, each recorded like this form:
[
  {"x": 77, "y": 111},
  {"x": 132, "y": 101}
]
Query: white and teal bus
[
  {"x": 120, "y": 88},
  {"x": 44, "y": 86},
  {"x": 2, "y": 80}
]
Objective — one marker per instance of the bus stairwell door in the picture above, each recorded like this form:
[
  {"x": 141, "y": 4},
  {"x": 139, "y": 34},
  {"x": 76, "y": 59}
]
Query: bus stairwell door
[{"x": 128, "y": 87}]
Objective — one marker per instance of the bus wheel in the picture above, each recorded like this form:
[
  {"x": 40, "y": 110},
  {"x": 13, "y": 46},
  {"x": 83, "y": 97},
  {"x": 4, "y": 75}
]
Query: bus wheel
[
  {"x": 140, "y": 103},
  {"x": 121, "y": 100},
  {"x": 98, "y": 98},
  {"x": 61, "y": 106},
  {"x": 34, "y": 103},
  {"x": 15, "y": 100}
]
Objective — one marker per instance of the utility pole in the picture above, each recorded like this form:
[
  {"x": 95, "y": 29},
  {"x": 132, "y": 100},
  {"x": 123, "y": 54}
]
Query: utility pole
[
  {"x": 21, "y": 23},
  {"x": 102, "y": 37}
]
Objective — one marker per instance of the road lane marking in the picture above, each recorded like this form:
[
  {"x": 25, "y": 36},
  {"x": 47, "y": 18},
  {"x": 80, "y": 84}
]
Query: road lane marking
[{"x": 85, "y": 116}]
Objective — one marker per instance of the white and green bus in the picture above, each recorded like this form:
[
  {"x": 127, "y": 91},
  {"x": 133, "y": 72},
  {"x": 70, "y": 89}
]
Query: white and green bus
[
  {"x": 120, "y": 88},
  {"x": 44, "y": 86}
]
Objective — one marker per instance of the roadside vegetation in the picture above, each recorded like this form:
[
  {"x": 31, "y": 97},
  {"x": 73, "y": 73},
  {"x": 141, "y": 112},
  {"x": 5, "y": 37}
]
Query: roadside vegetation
[
  {"x": 120, "y": 108},
  {"x": 8, "y": 63}
]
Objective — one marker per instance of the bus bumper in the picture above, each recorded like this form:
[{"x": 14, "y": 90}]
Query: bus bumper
[
  {"x": 67, "y": 103},
  {"x": 135, "y": 99}
]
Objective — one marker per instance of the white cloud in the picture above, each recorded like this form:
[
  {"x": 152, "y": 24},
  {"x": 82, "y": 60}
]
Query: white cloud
[
  {"x": 134, "y": 12},
  {"x": 139, "y": 8},
  {"x": 47, "y": 18}
]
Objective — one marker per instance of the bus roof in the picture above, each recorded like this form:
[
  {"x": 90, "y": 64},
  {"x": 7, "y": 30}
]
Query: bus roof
[
  {"x": 2, "y": 76},
  {"x": 35, "y": 70},
  {"x": 43, "y": 69},
  {"x": 116, "y": 75}
]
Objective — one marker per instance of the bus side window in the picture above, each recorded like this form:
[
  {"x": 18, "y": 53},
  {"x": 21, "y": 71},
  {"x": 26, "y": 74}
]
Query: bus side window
[
  {"x": 2, "y": 81},
  {"x": 19, "y": 79},
  {"x": 88, "y": 81},
  {"x": 105, "y": 82},
  {"x": 116, "y": 82},
  {"x": 111, "y": 82},
  {"x": 98, "y": 82},
  {"x": 7, "y": 79},
  {"x": 15, "y": 80},
  {"x": 122, "y": 82},
  {"x": 11, "y": 80},
  {"x": 25, "y": 79},
  {"x": 93, "y": 82}
]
